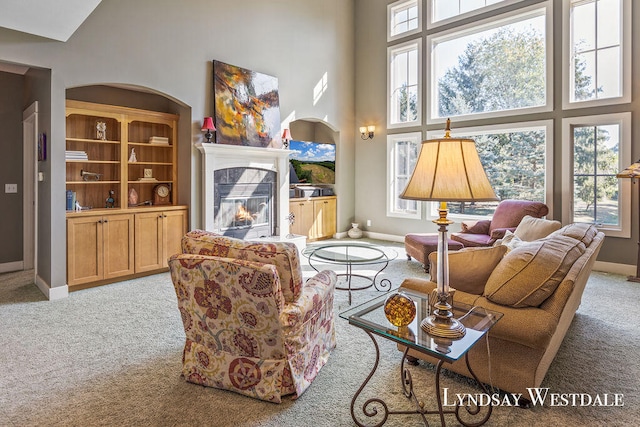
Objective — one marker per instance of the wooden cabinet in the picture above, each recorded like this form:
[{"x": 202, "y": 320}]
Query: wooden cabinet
[
  {"x": 99, "y": 247},
  {"x": 324, "y": 212},
  {"x": 157, "y": 237},
  {"x": 314, "y": 217},
  {"x": 302, "y": 210},
  {"x": 111, "y": 152}
]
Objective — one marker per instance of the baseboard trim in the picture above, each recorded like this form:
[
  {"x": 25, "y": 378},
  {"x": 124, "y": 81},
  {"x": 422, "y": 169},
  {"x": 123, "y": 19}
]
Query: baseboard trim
[
  {"x": 11, "y": 266},
  {"x": 612, "y": 267},
  {"x": 382, "y": 236},
  {"x": 52, "y": 294}
]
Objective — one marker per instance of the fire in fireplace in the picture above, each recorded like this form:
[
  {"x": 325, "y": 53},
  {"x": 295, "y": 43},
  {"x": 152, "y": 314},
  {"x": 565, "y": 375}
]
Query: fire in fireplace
[{"x": 244, "y": 209}]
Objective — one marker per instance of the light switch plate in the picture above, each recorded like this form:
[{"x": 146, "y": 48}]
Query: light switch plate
[{"x": 11, "y": 188}]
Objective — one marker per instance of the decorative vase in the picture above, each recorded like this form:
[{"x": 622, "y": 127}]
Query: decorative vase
[
  {"x": 355, "y": 232},
  {"x": 399, "y": 309}
]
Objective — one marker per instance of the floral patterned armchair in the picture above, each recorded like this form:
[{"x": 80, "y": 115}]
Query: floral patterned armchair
[{"x": 252, "y": 324}]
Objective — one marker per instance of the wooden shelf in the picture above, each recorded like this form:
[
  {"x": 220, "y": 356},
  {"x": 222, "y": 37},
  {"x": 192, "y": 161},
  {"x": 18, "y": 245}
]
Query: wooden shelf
[{"x": 94, "y": 141}]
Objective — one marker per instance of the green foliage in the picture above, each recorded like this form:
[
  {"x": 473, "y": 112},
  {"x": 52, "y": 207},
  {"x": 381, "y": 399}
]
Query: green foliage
[
  {"x": 507, "y": 71},
  {"x": 503, "y": 71}
]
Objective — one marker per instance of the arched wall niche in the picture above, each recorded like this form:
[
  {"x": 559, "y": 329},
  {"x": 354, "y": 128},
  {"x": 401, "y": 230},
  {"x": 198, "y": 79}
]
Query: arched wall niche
[
  {"x": 144, "y": 98},
  {"x": 315, "y": 130}
]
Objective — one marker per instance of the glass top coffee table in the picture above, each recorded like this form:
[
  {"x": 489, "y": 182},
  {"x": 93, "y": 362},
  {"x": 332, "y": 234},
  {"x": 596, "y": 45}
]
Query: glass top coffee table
[
  {"x": 353, "y": 254},
  {"x": 371, "y": 318}
]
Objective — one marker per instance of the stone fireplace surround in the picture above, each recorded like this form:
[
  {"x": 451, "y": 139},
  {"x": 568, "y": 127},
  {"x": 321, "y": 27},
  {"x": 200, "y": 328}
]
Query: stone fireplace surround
[{"x": 223, "y": 156}]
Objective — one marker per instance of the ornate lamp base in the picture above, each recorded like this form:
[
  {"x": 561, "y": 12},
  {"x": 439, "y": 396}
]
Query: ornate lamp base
[{"x": 442, "y": 323}]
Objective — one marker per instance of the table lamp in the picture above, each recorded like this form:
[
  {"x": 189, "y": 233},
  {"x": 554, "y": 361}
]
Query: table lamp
[
  {"x": 633, "y": 172},
  {"x": 448, "y": 170},
  {"x": 209, "y": 127}
]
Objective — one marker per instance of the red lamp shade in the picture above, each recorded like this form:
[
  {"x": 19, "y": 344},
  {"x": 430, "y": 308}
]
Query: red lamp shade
[
  {"x": 286, "y": 135},
  {"x": 207, "y": 124}
]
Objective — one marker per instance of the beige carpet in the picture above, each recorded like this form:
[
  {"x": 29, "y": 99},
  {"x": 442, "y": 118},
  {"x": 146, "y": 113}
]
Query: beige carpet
[{"x": 110, "y": 356}]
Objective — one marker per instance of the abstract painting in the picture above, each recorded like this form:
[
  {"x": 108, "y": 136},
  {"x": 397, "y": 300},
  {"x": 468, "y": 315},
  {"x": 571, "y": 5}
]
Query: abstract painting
[{"x": 247, "y": 107}]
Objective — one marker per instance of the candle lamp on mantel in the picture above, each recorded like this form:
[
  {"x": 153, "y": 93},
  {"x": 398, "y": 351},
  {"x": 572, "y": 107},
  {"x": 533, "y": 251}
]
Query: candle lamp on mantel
[
  {"x": 448, "y": 170},
  {"x": 633, "y": 172}
]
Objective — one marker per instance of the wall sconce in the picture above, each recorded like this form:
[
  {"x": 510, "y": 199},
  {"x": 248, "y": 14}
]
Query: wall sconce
[
  {"x": 207, "y": 125},
  {"x": 286, "y": 137},
  {"x": 366, "y": 132}
]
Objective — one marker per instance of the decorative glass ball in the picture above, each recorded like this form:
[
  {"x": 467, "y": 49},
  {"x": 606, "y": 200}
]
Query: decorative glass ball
[{"x": 399, "y": 309}]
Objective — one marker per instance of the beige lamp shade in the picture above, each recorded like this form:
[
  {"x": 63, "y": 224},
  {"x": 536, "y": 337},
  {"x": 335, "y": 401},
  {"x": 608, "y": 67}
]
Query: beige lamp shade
[
  {"x": 632, "y": 171},
  {"x": 449, "y": 169}
]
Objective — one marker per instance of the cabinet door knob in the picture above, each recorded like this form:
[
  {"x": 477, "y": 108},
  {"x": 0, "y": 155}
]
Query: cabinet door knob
[
  {"x": 105, "y": 221},
  {"x": 99, "y": 221}
]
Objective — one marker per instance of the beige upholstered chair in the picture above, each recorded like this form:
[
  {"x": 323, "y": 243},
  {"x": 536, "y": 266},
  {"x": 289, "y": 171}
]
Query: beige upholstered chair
[{"x": 252, "y": 324}]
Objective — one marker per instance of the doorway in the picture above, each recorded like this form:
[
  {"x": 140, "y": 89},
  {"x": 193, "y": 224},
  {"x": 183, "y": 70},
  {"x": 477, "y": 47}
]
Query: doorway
[{"x": 29, "y": 187}]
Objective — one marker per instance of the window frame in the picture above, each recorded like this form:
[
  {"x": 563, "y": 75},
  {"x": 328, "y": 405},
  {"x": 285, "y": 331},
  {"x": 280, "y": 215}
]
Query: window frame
[
  {"x": 392, "y": 140},
  {"x": 625, "y": 66},
  {"x": 624, "y": 160},
  {"x": 432, "y": 208},
  {"x": 479, "y": 26},
  {"x": 402, "y": 4},
  {"x": 392, "y": 50},
  {"x": 434, "y": 24}
]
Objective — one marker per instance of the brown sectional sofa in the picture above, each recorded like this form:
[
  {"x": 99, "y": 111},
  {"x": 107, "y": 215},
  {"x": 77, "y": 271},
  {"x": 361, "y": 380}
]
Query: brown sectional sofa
[{"x": 537, "y": 286}]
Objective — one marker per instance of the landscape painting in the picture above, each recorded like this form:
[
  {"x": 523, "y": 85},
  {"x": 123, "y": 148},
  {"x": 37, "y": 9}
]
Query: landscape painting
[
  {"x": 312, "y": 162},
  {"x": 247, "y": 107}
]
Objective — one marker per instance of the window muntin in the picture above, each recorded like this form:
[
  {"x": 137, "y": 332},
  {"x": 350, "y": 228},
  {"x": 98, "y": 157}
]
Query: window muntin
[
  {"x": 402, "y": 155},
  {"x": 597, "y": 52},
  {"x": 598, "y": 148},
  {"x": 403, "y": 18},
  {"x": 517, "y": 159},
  {"x": 440, "y": 12},
  {"x": 497, "y": 67},
  {"x": 404, "y": 97}
]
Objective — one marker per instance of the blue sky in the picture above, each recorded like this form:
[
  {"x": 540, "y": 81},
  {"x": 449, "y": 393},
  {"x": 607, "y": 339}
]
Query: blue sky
[{"x": 312, "y": 151}]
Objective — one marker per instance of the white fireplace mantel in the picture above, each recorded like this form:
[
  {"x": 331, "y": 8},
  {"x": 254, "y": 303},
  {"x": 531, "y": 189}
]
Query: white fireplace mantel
[{"x": 223, "y": 156}]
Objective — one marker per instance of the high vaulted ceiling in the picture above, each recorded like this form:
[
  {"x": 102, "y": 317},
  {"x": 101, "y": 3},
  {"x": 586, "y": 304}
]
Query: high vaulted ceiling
[{"x": 53, "y": 19}]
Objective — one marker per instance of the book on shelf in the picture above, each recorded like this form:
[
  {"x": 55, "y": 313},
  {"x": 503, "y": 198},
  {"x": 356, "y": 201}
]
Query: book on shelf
[
  {"x": 75, "y": 155},
  {"x": 71, "y": 200},
  {"x": 159, "y": 140}
]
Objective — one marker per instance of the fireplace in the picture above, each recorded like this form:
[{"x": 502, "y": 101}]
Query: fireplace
[
  {"x": 244, "y": 201},
  {"x": 245, "y": 190}
]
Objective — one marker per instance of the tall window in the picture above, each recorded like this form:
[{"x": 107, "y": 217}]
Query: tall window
[
  {"x": 403, "y": 18},
  {"x": 599, "y": 148},
  {"x": 402, "y": 155},
  {"x": 517, "y": 159},
  {"x": 494, "y": 67},
  {"x": 404, "y": 84},
  {"x": 597, "y": 52}
]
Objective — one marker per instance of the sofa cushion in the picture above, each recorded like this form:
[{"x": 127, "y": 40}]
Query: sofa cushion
[
  {"x": 531, "y": 228},
  {"x": 528, "y": 274},
  {"x": 510, "y": 241},
  {"x": 580, "y": 231},
  {"x": 469, "y": 268},
  {"x": 470, "y": 239}
]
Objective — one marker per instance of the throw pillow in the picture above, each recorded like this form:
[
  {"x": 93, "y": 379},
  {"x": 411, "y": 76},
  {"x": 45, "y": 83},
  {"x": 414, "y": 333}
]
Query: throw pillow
[
  {"x": 530, "y": 273},
  {"x": 478, "y": 227},
  {"x": 469, "y": 268},
  {"x": 531, "y": 228},
  {"x": 511, "y": 241},
  {"x": 580, "y": 231}
]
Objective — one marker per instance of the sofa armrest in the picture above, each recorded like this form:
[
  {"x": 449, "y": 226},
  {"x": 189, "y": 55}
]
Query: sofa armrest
[
  {"x": 476, "y": 227},
  {"x": 532, "y": 327}
]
